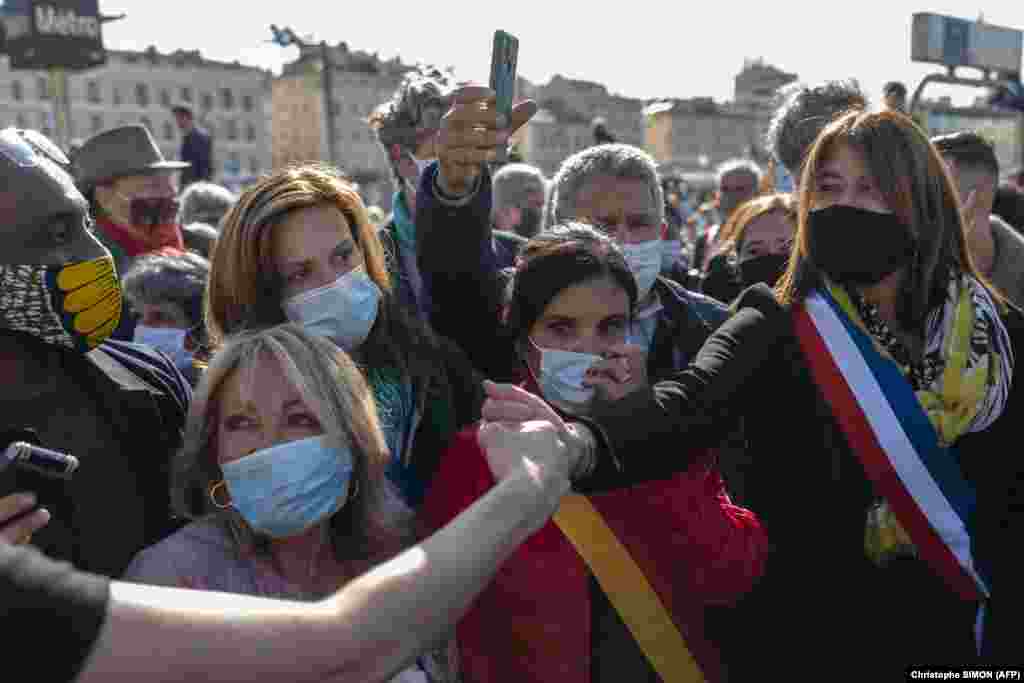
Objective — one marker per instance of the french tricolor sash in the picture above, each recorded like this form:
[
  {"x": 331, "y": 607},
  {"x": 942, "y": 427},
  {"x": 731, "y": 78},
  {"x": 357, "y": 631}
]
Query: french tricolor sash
[{"x": 896, "y": 443}]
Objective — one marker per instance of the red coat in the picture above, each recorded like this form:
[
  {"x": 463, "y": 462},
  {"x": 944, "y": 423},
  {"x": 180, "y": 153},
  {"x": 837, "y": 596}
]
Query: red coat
[{"x": 533, "y": 621}]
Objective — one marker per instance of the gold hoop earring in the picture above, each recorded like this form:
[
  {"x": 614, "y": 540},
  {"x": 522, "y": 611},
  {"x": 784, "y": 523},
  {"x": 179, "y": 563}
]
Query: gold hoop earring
[{"x": 213, "y": 495}]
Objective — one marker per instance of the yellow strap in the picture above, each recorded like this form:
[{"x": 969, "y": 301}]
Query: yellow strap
[{"x": 628, "y": 590}]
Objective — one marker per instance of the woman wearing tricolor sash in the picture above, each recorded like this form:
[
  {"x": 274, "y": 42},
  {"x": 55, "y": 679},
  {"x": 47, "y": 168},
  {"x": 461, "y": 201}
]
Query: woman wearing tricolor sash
[
  {"x": 616, "y": 586},
  {"x": 876, "y": 388}
]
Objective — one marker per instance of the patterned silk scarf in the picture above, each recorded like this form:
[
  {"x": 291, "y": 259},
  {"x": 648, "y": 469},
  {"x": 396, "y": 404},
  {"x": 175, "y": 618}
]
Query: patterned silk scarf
[
  {"x": 963, "y": 378},
  {"x": 962, "y": 381}
]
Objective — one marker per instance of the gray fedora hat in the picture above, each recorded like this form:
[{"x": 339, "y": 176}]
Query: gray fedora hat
[{"x": 117, "y": 152}]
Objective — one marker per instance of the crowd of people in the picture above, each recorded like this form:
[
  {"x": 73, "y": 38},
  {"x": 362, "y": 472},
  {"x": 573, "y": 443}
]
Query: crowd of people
[{"x": 586, "y": 428}]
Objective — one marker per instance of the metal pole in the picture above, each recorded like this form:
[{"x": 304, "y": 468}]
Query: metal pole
[
  {"x": 328, "y": 85},
  {"x": 58, "y": 86}
]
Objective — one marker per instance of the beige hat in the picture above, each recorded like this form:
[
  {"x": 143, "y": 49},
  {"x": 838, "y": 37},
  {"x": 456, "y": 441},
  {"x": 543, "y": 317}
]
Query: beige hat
[{"x": 118, "y": 152}]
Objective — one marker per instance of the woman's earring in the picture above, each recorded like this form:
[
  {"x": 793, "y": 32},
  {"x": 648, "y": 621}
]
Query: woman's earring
[{"x": 213, "y": 495}]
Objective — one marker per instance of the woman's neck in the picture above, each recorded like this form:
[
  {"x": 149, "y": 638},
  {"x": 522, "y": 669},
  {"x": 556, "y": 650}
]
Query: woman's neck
[
  {"x": 885, "y": 296},
  {"x": 302, "y": 560}
]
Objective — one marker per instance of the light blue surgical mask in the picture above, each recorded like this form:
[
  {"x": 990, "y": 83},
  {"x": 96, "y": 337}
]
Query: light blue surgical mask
[
  {"x": 284, "y": 490},
  {"x": 561, "y": 378},
  {"x": 169, "y": 340},
  {"x": 644, "y": 259},
  {"x": 344, "y": 310}
]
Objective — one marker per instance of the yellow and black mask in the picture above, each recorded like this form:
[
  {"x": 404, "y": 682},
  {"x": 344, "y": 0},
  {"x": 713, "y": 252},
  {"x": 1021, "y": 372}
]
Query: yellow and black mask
[
  {"x": 77, "y": 305},
  {"x": 57, "y": 282}
]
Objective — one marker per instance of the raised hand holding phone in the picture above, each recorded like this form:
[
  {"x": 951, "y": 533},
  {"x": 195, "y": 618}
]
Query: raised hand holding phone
[{"x": 475, "y": 130}]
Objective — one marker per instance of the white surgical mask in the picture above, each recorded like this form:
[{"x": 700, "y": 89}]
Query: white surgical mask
[
  {"x": 343, "y": 310},
  {"x": 169, "y": 340},
  {"x": 644, "y": 259},
  {"x": 561, "y": 378}
]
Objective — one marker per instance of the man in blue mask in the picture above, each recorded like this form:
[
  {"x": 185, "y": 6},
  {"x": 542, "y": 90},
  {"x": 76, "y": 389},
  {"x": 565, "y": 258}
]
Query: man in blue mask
[{"x": 118, "y": 407}]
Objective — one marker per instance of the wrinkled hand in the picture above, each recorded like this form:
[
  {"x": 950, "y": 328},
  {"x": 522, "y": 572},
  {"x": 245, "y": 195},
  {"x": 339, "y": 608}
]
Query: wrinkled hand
[
  {"x": 470, "y": 134},
  {"x": 622, "y": 372},
  {"x": 20, "y": 531}
]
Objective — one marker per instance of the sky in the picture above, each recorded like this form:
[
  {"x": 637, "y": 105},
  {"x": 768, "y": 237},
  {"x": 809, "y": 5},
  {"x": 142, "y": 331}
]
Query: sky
[{"x": 645, "y": 50}]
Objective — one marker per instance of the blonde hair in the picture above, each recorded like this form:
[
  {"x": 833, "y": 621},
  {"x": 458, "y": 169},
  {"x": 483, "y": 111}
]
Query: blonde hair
[
  {"x": 372, "y": 523},
  {"x": 245, "y": 288}
]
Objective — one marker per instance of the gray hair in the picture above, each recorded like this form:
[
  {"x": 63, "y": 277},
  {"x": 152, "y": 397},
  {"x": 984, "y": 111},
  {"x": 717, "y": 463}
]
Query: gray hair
[
  {"x": 731, "y": 166},
  {"x": 615, "y": 160},
  {"x": 205, "y": 202},
  {"x": 513, "y": 182},
  {"x": 168, "y": 278},
  {"x": 199, "y": 237},
  {"x": 803, "y": 112},
  {"x": 419, "y": 102}
]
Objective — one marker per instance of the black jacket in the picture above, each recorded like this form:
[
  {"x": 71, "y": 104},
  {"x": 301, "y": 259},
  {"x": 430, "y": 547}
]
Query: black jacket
[
  {"x": 197, "y": 149},
  {"x": 821, "y": 602},
  {"x": 120, "y": 410}
]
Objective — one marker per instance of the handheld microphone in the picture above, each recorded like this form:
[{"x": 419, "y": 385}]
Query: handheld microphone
[{"x": 51, "y": 464}]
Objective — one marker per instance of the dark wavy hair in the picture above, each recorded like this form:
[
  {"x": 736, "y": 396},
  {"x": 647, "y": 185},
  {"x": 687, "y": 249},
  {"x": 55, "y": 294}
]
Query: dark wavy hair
[{"x": 560, "y": 257}]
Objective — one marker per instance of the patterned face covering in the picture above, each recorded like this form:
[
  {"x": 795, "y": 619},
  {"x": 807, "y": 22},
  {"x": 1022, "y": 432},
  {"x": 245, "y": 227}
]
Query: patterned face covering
[{"x": 77, "y": 306}]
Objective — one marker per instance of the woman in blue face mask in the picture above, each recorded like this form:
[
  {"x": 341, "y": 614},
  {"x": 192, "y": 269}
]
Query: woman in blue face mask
[
  {"x": 282, "y": 475},
  {"x": 569, "y": 310},
  {"x": 298, "y": 246}
]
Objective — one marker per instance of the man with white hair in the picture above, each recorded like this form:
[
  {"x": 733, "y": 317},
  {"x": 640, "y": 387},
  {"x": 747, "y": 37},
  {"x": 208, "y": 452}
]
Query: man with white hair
[
  {"x": 204, "y": 202},
  {"x": 738, "y": 181}
]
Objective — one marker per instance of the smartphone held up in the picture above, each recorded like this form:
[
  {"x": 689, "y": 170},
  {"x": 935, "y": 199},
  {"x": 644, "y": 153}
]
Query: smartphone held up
[{"x": 504, "y": 61}]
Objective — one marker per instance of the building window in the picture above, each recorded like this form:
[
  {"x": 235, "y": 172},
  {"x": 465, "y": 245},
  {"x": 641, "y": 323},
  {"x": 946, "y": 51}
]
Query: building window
[
  {"x": 247, "y": 103},
  {"x": 231, "y": 129},
  {"x": 44, "y": 123},
  {"x": 97, "y": 123},
  {"x": 227, "y": 98},
  {"x": 142, "y": 94},
  {"x": 165, "y": 98},
  {"x": 250, "y": 132},
  {"x": 16, "y": 92},
  {"x": 207, "y": 100},
  {"x": 355, "y": 135},
  {"x": 186, "y": 94},
  {"x": 168, "y": 131},
  {"x": 147, "y": 123},
  {"x": 354, "y": 107},
  {"x": 22, "y": 123},
  {"x": 254, "y": 165},
  {"x": 42, "y": 88},
  {"x": 93, "y": 92},
  {"x": 116, "y": 99}
]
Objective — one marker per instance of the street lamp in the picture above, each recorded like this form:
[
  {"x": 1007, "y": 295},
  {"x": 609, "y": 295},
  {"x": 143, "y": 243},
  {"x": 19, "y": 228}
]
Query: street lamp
[{"x": 286, "y": 37}]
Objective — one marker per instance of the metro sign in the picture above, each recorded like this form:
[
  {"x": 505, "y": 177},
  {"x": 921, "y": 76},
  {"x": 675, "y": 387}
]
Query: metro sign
[
  {"x": 954, "y": 42},
  {"x": 46, "y": 34}
]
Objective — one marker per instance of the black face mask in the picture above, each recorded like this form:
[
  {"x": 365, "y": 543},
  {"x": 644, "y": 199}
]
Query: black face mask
[
  {"x": 152, "y": 211},
  {"x": 529, "y": 221},
  {"x": 857, "y": 246},
  {"x": 767, "y": 268}
]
